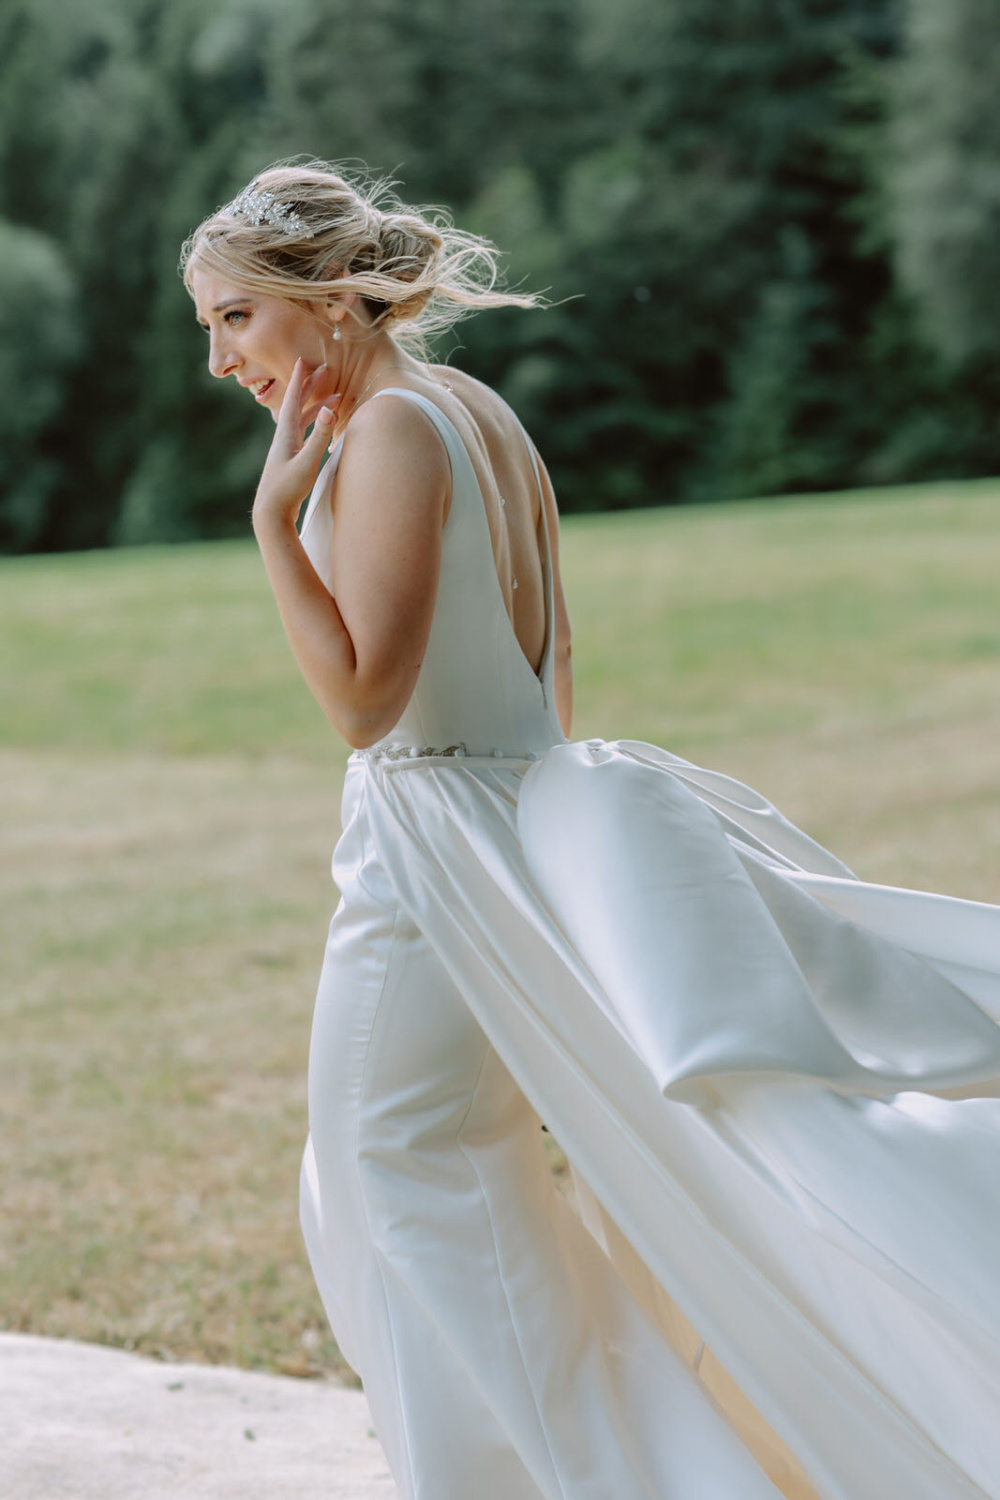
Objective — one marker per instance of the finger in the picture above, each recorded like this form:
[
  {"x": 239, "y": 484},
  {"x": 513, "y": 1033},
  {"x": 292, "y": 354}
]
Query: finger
[
  {"x": 307, "y": 460},
  {"x": 297, "y": 378},
  {"x": 291, "y": 397},
  {"x": 288, "y": 430},
  {"x": 293, "y": 470},
  {"x": 323, "y": 425},
  {"x": 312, "y": 393},
  {"x": 312, "y": 404},
  {"x": 294, "y": 414},
  {"x": 309, "y": 394}
]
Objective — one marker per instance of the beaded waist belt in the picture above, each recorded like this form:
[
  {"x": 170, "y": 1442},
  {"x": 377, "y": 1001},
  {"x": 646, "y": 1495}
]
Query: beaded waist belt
[{"x": 393, "y": 757}]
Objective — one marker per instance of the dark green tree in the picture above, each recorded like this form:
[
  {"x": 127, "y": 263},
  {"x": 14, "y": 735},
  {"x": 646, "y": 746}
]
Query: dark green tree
[
  {"x": 768, "y": 228},
  {"x": 944, "y": 183},
  {"x": 41, "y": 339}
]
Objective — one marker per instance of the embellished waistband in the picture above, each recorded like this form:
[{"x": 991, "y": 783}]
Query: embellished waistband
[{"x": 398, "y": 757}]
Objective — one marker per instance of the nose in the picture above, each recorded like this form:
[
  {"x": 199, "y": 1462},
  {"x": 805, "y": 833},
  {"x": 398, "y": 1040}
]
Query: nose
[{"x": 221, "y": 361}]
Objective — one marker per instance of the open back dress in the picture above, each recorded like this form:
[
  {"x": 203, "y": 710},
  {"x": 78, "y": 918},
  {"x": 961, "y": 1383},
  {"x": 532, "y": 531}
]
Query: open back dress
[{"x": 776, "y": 1085}]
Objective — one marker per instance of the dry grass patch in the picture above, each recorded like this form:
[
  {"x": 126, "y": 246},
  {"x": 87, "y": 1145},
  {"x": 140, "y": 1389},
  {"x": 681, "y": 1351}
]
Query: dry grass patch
[{"x": 164, "y": 924}]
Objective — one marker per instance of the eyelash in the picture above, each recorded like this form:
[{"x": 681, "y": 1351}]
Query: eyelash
[{"x": 234, "y": 312}]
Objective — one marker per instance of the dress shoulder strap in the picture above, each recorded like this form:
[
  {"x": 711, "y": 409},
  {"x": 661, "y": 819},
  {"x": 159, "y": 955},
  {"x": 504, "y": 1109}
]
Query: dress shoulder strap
[
  {"x": 451, "y": 437},
  {"x": 443, "y": 423},
  {"x": 459, "y": 455}
]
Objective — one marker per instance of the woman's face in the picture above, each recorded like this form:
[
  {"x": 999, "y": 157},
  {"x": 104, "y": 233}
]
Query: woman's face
[{"x": 257, "y": 338}]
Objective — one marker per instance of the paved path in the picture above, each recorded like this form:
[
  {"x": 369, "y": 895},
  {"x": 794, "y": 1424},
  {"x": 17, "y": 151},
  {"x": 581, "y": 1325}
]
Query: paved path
[{"x": 81, "y": 1422}]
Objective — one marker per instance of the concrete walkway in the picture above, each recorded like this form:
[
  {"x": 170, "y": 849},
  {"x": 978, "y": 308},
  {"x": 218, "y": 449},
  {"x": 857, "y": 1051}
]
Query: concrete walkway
[{"x": 81, "y": 1422}]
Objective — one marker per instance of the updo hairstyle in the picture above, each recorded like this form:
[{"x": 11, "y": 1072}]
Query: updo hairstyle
[{"x": 327, "y": 233}]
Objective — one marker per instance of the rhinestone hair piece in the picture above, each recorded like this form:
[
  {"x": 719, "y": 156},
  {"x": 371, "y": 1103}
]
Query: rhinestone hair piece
[{"x": 261, "y": 207}]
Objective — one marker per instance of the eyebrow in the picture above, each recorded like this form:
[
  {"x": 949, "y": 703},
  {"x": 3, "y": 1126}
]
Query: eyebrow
[{"x": 220, "y": 307}]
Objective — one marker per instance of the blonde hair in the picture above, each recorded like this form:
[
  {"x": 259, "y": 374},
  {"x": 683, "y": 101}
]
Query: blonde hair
[{"x": 327, "y": 233}]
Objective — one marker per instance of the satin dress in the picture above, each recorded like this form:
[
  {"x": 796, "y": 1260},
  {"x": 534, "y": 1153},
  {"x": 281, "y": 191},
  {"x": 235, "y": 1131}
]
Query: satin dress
[{"x": 776, "y": 1084}]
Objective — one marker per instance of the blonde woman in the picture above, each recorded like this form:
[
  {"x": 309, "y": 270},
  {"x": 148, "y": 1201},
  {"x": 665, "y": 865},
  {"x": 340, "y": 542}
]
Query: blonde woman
[{"x": 773, "y": 1081}]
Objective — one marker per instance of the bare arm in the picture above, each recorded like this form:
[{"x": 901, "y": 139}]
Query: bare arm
[
  {"x": 360, "y": 649},
  {"x": 315, "y": 628}
]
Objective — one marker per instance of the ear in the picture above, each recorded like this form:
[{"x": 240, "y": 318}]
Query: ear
[
  {"x": 342, "y": 299},
  {"x": 336, "y": 305}
]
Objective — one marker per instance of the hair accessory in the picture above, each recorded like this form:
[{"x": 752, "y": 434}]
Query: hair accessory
[{"x": 261, "y": 207}]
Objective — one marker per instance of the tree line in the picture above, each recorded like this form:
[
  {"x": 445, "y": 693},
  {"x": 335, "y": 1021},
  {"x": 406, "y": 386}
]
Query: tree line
[{"x": 770, "y": 228}]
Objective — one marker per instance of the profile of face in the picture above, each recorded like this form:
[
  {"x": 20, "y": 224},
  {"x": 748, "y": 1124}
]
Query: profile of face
[{"x": 257, "y": 338}]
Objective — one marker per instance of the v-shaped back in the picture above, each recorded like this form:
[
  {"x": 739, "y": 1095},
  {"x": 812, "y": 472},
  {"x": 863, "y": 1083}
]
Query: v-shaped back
[
  {"x": 458, "y": 454},
  {"x": 476, "y": 686}
]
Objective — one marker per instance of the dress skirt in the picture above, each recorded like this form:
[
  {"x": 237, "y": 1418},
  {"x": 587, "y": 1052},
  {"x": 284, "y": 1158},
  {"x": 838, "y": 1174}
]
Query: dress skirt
[
  {"x": 779, "y": 1272},
  {"x": 502, "y": 1355}
]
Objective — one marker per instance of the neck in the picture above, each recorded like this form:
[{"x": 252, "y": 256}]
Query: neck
[{"x": 363, "y": 368}]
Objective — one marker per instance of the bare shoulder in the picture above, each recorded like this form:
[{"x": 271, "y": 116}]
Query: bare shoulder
[{"x": 391, "y": 430}]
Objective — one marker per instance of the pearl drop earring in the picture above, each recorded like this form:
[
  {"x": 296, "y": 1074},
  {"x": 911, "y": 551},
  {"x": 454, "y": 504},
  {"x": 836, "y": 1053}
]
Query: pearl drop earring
[{"x": 336, "y": 331}]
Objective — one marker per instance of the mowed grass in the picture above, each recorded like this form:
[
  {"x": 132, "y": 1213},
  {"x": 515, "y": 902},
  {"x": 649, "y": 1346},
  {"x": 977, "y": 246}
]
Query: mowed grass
[{"x": 170, "y": 801}]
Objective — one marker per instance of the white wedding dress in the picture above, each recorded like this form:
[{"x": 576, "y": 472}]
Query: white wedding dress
[{"x": 776, "y": 1085}]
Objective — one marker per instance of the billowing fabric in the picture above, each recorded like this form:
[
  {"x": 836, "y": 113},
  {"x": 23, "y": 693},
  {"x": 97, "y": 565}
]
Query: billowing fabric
[{"x": 776, "y": 1084}]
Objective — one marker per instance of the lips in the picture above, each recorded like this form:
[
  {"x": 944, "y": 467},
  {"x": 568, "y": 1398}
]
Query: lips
[{"x": 263, "y": 391}]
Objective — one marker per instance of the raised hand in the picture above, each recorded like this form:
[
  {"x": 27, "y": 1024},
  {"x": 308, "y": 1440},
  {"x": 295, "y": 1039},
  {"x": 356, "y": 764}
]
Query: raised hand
[{"x": 293, "y": 459}]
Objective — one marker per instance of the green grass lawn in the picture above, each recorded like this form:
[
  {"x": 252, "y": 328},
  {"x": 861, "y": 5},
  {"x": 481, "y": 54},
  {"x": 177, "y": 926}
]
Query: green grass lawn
[{"x": 170, "y": 802}]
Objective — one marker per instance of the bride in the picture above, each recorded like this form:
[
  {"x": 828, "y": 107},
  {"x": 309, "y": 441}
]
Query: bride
[{"x": 776, "y": 1083}]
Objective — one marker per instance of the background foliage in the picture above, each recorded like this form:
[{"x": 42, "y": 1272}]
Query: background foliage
[{"x": 782, "y": 216}]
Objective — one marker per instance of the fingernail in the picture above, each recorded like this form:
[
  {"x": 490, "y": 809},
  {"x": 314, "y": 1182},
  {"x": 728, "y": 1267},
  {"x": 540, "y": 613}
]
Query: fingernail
[{"x": 325, "y": 414}]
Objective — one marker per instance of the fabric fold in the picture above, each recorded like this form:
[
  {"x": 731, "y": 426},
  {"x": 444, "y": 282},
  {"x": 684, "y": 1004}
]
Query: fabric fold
[
  {"x": 728, "y": 942},
  {"x": 719, "y": 1050}
]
